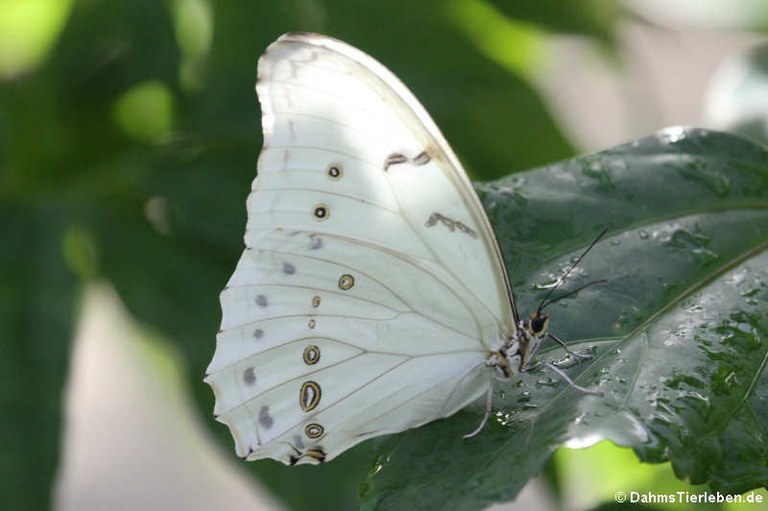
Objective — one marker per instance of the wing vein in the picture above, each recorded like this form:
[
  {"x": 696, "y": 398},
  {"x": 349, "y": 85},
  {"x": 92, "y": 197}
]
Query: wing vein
[{"x": 406, "y": 258}]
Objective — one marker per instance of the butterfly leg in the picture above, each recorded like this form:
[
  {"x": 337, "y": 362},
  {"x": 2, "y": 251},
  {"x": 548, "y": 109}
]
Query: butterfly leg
[
  {"x": 570, "y": 382},
  {"x": 488, "y": 403},
  {"x": 568, "y": 350}
]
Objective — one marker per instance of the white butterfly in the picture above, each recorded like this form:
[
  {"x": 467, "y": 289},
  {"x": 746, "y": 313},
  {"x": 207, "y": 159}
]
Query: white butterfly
[{"x": 372, "y": 295}]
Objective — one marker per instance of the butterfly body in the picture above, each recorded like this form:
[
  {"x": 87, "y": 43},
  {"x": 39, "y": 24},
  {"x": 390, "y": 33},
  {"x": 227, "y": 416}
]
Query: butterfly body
[{"x": 372, "y": 296}]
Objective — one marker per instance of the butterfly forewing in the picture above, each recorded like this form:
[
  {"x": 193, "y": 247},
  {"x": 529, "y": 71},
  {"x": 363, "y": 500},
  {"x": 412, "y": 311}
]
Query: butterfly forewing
[{"x": 371, "y": 285}]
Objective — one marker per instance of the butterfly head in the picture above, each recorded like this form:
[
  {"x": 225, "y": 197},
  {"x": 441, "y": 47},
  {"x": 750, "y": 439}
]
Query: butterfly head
[
  {"x": 516, "y": 353},
  {"x": 533, "y": 330}
]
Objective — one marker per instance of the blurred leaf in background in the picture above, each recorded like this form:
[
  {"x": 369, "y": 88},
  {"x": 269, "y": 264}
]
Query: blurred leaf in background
[
  {"x": 28, "y": 31},
  {"x": 713, "y": 14},
  {"x": 738, "y": 95}
]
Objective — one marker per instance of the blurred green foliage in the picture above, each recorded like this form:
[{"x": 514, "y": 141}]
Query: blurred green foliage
[{"x": 129, "y": 133}]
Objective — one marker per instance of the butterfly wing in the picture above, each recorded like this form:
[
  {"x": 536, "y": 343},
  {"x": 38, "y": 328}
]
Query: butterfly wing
[{"x": 371, "y": 285}]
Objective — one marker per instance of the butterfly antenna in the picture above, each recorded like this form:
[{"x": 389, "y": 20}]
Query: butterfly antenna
[
  {"x": 571, "y": 293},
  {"x": 546, "y": 301}
]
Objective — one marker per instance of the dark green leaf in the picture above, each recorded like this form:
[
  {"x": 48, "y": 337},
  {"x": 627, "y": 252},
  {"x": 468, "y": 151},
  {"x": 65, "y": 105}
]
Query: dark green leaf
[
  {"x": 678, "y": 331},
  {"x": 37, "y": 297}
]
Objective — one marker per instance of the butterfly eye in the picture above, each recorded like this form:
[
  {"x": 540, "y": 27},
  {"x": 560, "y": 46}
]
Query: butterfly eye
[
  {"x": 539, "y": 323},
  {"x": 335, "y": 172}
]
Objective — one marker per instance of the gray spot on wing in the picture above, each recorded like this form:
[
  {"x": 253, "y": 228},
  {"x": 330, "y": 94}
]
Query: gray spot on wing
[
  {"x": 288, "y": 268},
  {"x": 451, "y": 224},
  {"x": 249, "y": 376},
  {"x": 261, "y": 301},
  {"x": 398, "y": 158},
  {"x": 258, "y": 333},
  {"x": 265, "y": 419},
  {"x": 315, "y": 242},
  {"x": 395, "y": 159},
  {"x": 422, "y": 158}
]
